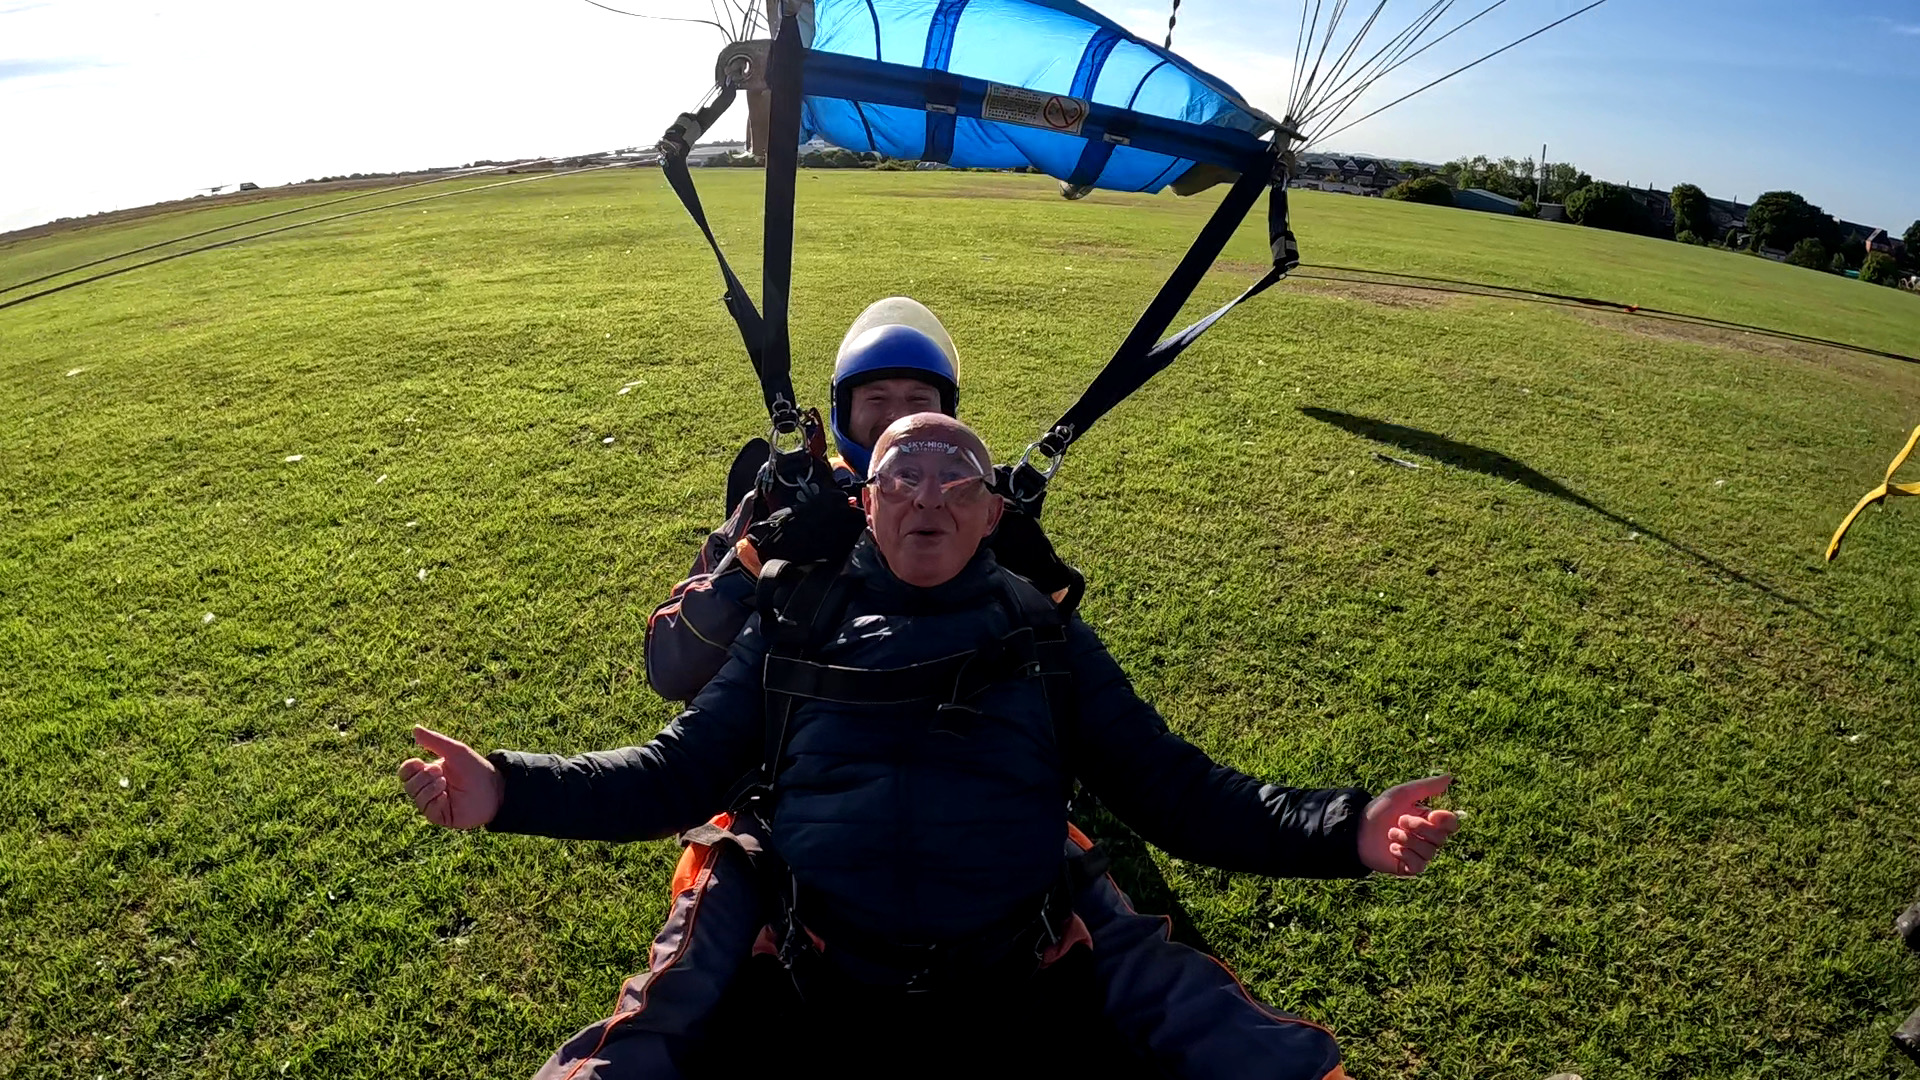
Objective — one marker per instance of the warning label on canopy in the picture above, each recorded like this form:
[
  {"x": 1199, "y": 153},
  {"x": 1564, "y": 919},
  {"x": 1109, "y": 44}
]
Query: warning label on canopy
[{"x": 1030, "y": 108}]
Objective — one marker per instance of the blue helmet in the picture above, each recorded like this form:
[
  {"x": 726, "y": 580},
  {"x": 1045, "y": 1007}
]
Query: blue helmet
[{"x": 887, "y": 351}]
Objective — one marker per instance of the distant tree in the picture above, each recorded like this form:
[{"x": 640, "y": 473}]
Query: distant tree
[
  {"x": 1853, "y": 249},
  {"x": 1781, "y": 219},
  {"x": 1424, "y": 189},
  {"x": 1691, "y": 211},
  {"x": 1685, "y": 236},
  {"x": 1529, "y": 208},
  {"x": 1810, "y": 253},
  {"x": 1562, "y": 180},
  {"x": 1605, "y": 206},
  {"x": 1880, "y": 269},
  {"x": 1414, "y": 170},
  {"x": 1912, "y": 240},
  {"x": 1839, "y": 263}
]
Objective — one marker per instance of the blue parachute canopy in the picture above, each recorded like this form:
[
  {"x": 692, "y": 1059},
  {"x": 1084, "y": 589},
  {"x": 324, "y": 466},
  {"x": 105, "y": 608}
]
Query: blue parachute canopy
[{"x": 1004, "y": 83}]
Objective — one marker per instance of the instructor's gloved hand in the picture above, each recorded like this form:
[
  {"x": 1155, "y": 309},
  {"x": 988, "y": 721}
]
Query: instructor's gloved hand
[
  {"x": 820, "y": 529},
  {"x": 792, "y": 478}
]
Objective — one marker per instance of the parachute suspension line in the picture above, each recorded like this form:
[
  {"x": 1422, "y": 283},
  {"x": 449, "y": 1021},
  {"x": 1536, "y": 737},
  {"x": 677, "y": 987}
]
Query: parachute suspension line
[
  {"x": 1172, "y": 16},
  {"x": 1296, "y": 100},
  {"x": 665, "y": 18},
  {"x": 1299, "y": 56},
  {"x": 1389, "y": 56},
  {"x": 170, "y": 256},
  {"x": 1338, "y": 10},
  {"x": 1346, "y": 55},
  {"x": 460, "y": 174},
  {"x": 1324, "y": 133}
]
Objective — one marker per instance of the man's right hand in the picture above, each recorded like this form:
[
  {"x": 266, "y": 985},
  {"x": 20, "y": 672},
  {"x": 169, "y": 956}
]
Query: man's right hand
[{"x": 462, "y": 790}]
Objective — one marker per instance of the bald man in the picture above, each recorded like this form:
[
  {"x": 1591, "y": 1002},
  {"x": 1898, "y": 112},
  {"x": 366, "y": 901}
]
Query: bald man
[{"x": 911, "y": 753}]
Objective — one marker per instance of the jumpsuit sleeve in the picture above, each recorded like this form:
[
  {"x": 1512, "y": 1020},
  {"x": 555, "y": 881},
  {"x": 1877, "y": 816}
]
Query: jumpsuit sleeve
[
  {"x": 1180, "y": 800},
  {"x": 668, "y": 786},
  {"x": 688, "y": 635}
]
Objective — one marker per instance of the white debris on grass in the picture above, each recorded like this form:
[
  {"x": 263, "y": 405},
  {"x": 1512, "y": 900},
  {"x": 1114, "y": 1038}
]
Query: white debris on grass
[
  {"x": 290, "y": 702},
  {"x": 124, "y": 782},
  {"x": 206, "y": 619},
  {"x": 608, "y": 441},
  {"x": 1633, "y": 536},
  {"x": 1855, "y": 738},
  {"x": 422, "y": 575},
  {"x": 413, "y": 524},
  {"x": 75, "y": 371},
  {"x": 291, "y": 458},
  {"x": 1719, "y": 483},
  {"x": 627, "y": 388},
  {"x": 382, "y": 480}
]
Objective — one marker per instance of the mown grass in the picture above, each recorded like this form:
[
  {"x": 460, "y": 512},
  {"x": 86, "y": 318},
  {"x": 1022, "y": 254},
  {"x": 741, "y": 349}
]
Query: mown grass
[{"x": 1684, "y": 744}]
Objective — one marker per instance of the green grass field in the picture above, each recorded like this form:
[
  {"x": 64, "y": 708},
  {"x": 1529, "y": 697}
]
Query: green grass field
[{"x": 1684, "y": 745}]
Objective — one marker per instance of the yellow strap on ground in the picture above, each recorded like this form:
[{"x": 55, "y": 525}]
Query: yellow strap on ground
[{"x": 1879, "y": 494}]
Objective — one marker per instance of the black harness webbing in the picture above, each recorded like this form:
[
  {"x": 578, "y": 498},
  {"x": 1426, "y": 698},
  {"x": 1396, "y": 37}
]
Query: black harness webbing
[
  {"x": 766, "y": 338},
  {"x": 673, "y": 162},
  {"x": 952, "y": 679},
  {"x": 1138, "y": 358},
  {"x": 800, "y": 608},
  {"x": 784, "y": 83},
  {"x": 802, "y": 605}
]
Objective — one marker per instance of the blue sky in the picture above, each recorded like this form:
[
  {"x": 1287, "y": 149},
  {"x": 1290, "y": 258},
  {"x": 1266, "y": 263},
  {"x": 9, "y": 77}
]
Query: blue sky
[
  {"x": 121, "y": 102},
  {"x": 1818, "y": 97}
]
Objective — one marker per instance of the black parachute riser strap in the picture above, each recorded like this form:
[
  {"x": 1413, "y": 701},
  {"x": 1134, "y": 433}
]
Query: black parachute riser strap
[
  {"x": 786, "y": 64},
  {"x": 1138, "y": 359},
  {"x": 673, "y": 162}
]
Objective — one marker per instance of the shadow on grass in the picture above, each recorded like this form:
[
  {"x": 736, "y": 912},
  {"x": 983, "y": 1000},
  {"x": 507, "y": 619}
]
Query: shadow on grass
[
  {"x": 1135, "y": 871},
  {"x": 1495, "y": 464}
]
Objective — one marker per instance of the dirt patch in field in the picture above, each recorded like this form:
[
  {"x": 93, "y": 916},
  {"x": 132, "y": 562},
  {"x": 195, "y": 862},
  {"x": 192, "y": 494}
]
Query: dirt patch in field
[
  {"x": 1728, "y": 338},
  {"x": 1372, "y": 292}
]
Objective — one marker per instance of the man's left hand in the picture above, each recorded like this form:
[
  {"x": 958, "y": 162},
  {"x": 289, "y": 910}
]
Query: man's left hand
[{"x": 1398, "y": 835}]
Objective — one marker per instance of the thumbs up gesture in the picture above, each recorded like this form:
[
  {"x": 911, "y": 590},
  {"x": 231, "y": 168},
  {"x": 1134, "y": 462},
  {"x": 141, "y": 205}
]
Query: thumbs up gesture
[
  {"x": 462, "y": 790},
  {"x": 1399, "y": 835}
]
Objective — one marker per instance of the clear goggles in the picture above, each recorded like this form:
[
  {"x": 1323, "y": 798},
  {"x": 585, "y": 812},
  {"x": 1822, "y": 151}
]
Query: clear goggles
[{"x": 924, "y": 466}]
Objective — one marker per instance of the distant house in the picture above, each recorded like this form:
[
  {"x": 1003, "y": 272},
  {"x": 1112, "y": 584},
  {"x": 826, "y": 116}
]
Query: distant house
[
  {"x": 1727, "y": 214},
  {"x": 1345, "y": 175},
  {"x": 1657, "y": 205},
  {"x": 1885, "y": 242},
  {"x": 714, "y": 153},
  {"x": 1553, "y": 211},
  {"x": 1487, "y": 202},
  {"x": 249, "y": 186}
]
